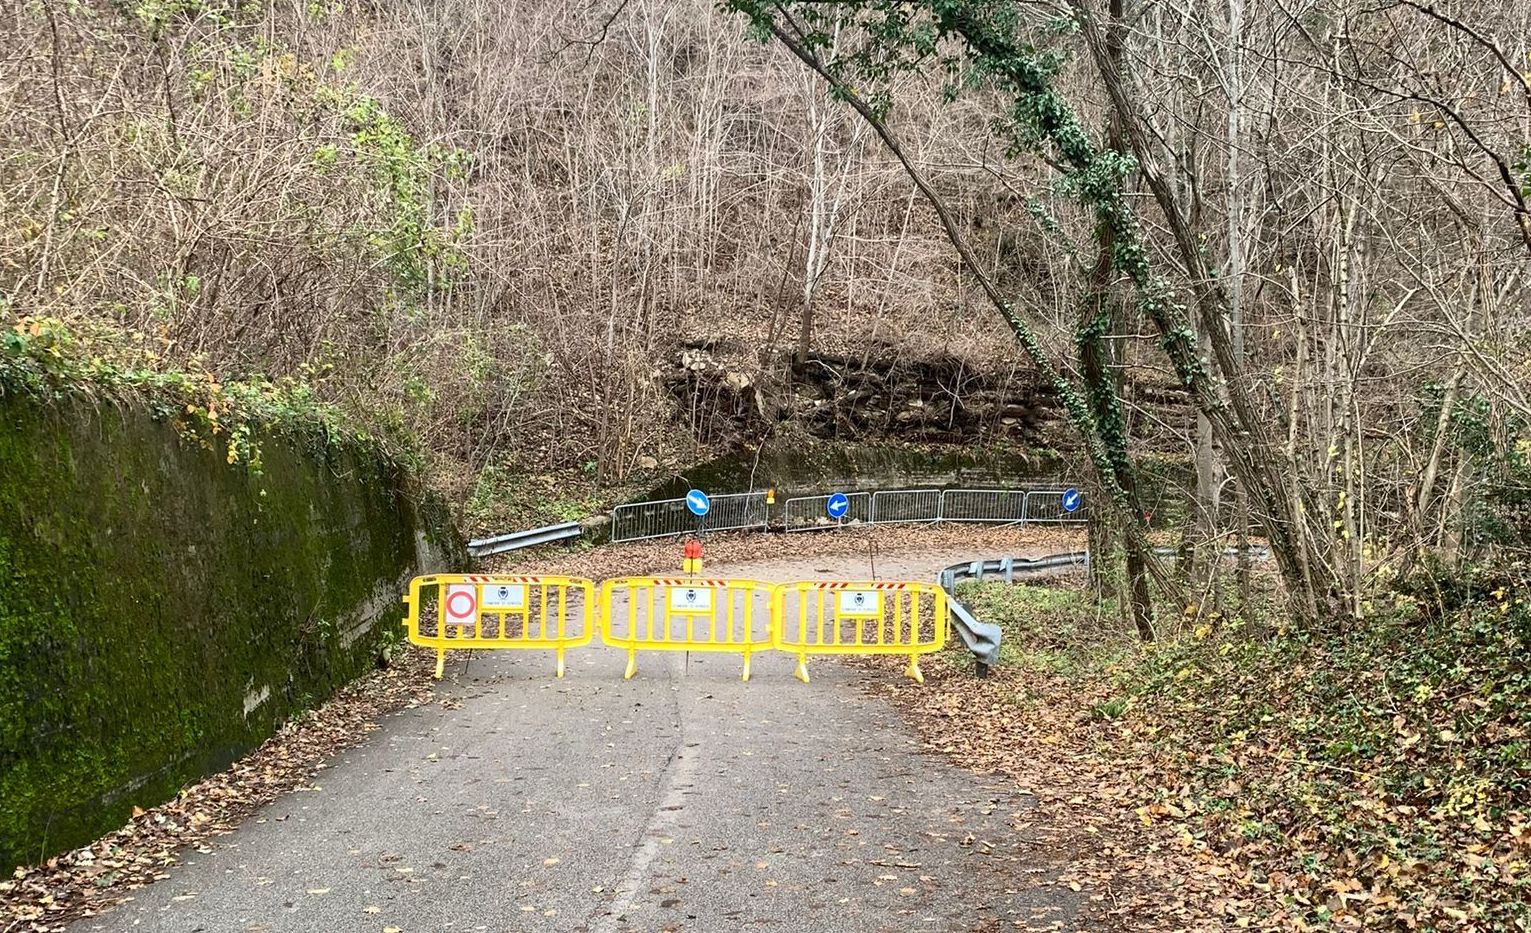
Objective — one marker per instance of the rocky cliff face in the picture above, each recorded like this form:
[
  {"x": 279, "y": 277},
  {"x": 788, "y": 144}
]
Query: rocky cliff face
[{"x": 877, "y": 397}]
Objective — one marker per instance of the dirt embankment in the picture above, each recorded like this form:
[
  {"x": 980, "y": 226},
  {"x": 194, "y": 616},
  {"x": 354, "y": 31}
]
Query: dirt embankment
[{"x": 727, "y": 396}]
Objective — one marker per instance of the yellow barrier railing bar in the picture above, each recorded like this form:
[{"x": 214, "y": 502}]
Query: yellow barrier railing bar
[
  {"x": 841, "y": 617},
  {"x": 679, "y": 614},
  {"x": 461, "y": 602}
]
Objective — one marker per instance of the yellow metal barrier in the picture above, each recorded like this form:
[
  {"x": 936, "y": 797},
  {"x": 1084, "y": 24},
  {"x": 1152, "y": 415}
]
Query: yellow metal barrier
[
  {"x": 460, "y": 610},
  {"x": 676, "y": 614},
  {"x": 841, "y": 617}
]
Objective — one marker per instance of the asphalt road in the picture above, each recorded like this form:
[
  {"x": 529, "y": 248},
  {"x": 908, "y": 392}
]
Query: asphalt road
[{"x": 681, "y": 800}]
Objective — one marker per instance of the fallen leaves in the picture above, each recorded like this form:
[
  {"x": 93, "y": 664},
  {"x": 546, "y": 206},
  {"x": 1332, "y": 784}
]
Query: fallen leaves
[
  {"x": 1135, "y": 873},
  {"x": 1368, "y": 779}
]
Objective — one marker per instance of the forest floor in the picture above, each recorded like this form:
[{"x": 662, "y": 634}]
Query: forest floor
[{"x": 1376, "y": 776}]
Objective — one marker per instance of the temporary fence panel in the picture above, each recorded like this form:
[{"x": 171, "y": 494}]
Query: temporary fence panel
[
  {"x": 737, "y": 511},
  {"x": 991, "y": 506},
  {"x": 906, "y": 505},
  {"x": 661, "y": 518},
  {"x": 467, "y": 611},
  {"x": 873, "y": 617},
  {"x": 809, "y": 513},
  {"x": 678, "y": 614},
  {"x": 1046, "y": 506},
  {"x": 666, "y": 518}
]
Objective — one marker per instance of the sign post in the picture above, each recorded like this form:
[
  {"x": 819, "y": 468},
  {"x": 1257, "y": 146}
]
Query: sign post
[
  {"x": 699, "y": 505},
  {"x": 461, "y": 610},
  {"x": 837, "y": 506}
]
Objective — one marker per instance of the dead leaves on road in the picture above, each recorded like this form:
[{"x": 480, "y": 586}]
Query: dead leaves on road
[{"x": 1135, "y": 878}]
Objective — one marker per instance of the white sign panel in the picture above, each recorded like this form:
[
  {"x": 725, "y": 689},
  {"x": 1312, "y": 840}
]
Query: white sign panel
[
  {"x": 692, "y": 599},
  {"x": 860, "y": 603},
  {"x": 503, "y": 596},
  {"x": 462, "y": 604}
]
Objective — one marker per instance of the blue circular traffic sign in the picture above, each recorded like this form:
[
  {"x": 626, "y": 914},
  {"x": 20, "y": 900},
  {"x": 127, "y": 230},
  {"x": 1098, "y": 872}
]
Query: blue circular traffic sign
[
  {"x": 698, "y": 503},
  {"x": 838, "y": 505},
  {"x": 1071, "y": 499}
]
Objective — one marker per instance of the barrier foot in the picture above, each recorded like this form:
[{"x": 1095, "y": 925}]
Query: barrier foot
[
  {"x": 632, "y": 665},
  {"x": 441, "y": 662},
  {"x": 559, "y": 655},
  {"x": 746, "y": 677},
  {"x": 802, "y": 669},
  {"x": 913, "y": 670}
]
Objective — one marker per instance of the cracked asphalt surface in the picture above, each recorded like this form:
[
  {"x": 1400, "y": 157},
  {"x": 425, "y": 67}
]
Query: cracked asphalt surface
[{"x": 681, "y": 800}]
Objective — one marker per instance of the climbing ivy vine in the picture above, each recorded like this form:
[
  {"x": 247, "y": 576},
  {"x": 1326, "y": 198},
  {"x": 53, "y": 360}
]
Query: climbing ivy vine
[{"x": 975, "y": 45}]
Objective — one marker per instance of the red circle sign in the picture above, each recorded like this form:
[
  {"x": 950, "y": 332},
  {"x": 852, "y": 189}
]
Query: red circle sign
[{"x": 461, "y": 604}]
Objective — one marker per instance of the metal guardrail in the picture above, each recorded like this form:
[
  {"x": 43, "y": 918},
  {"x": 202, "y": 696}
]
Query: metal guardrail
[
  {"x": 499, "y": 544},
  {"x": 982, "y": 638},
  {"x": 1011, "y": 567},
  {"x": 665, "y": 518}
]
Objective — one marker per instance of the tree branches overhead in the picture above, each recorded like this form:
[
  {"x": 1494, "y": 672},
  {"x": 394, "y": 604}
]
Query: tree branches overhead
[{"x": 1172, "y": 84}]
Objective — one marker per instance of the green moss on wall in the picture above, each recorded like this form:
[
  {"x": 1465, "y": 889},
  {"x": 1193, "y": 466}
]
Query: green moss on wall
[{"x": 161, "y": 611}]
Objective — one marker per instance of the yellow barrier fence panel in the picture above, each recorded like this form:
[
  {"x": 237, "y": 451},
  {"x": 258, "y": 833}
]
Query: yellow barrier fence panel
[
  {"x": 496, "y": 611},
  {"x": 678, "y": 614},
  {"x": 856, "y": 617}
]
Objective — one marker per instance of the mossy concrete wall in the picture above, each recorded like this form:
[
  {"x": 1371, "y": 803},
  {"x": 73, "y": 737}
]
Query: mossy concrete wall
[{"x": 162, "y": 611}]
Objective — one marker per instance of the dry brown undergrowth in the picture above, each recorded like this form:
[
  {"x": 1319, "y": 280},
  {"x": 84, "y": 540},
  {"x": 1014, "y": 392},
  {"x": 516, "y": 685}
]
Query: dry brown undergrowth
[{"x": 1037, "y": 730}]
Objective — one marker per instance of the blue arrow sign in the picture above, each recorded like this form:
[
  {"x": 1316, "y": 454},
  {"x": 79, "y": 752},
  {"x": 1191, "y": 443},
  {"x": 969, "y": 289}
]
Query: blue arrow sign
[
  {"x": 698, "y": 503},
  {"x": 1071, "y": 499},
  {"x": 838, "y": 505}
]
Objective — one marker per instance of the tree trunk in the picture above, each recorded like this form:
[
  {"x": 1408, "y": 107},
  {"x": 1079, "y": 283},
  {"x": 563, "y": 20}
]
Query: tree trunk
[{"x": 1079, "y": 409}]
